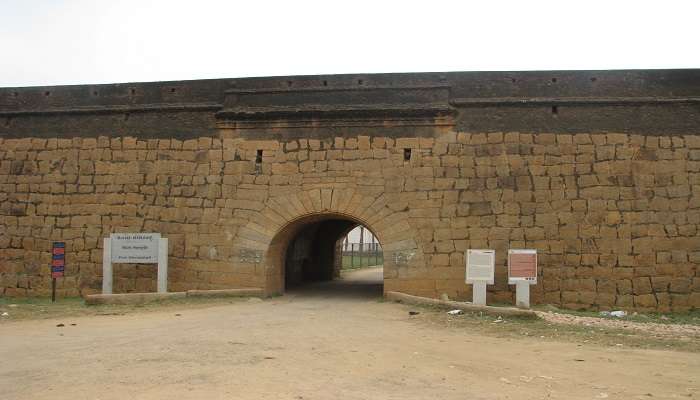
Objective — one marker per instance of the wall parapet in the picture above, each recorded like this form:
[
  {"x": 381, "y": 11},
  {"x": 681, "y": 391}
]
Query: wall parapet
[{"x": 629, "y": 101}]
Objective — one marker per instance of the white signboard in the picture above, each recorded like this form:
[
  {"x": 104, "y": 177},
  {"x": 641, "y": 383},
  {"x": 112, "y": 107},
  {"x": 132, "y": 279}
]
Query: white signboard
[
  {"x": 135, "y": 248},
  {"x": 480, "y": 266}
]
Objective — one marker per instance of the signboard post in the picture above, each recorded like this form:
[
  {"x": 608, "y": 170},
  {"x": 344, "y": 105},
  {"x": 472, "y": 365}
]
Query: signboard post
[
  {"x": 58, "y": 265},
  {"x": 522, "y": 272},
  {"x": 135, "y": 248},
  {"x": 480, "y": 267}
]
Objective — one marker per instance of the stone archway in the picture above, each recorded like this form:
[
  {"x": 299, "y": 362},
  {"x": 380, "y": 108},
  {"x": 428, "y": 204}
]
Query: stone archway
[
  {"x": 264, "y": 239},
  {"x": 306, "y": 248}
]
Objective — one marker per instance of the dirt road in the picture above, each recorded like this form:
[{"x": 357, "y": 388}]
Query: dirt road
[{"x": 329, "y": 342}]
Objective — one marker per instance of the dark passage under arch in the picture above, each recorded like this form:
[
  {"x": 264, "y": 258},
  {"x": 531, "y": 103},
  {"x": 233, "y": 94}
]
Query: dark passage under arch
[
  {"x": 312, "y": 255},
  {"x": 310, "y": 250}
]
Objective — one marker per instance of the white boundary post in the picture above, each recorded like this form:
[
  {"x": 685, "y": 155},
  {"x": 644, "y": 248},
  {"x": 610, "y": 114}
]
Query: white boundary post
[
  {"x": 163, "y": 265},
  {"x": 479, "y": 293},
  {"x": 522, "y": 294},
  {"x": 107, "y": 267}
]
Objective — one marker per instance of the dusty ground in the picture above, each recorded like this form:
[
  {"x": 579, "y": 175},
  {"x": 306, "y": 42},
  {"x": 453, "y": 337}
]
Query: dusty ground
[{"x": 325, "y": 342}]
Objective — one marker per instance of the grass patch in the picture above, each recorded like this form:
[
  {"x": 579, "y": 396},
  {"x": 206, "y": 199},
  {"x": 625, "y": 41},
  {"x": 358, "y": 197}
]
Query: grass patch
[
  {"x": 43, "y": 308},
  {"x": 686, "y": 318},
  {"x": 361, "y": 261},
  {"x": 538, "y": 329}
]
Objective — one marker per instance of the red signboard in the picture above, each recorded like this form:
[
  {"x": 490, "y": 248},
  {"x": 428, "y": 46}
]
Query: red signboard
[{"x": 522, "y": 266}]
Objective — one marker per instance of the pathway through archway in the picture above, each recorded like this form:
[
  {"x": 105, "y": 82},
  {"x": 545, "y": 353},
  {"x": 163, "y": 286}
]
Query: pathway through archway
[{"x": 310, "y": 251}]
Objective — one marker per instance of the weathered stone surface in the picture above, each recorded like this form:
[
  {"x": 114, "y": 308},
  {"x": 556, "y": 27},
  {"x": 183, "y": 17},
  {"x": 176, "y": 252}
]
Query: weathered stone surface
[
  {"x": 621, "y": 255},
  {"x": 614, "y": 216}
]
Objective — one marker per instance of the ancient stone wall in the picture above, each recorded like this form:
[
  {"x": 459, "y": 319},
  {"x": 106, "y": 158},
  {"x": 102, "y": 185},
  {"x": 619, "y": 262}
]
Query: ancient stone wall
[{"x": 613, "y": 216}]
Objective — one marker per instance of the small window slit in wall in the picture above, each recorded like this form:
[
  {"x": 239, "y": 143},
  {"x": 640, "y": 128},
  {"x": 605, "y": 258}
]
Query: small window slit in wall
[
  {"x": 126, "y": 116},
  {"x": 407, "y": 154},
  {"x": 258, "y": 161},
  {"x": 555, "y": 110}
]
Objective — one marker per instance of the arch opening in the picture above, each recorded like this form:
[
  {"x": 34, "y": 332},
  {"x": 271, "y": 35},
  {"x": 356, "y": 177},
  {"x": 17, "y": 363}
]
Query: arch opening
[{"x": 314, "y": 252}]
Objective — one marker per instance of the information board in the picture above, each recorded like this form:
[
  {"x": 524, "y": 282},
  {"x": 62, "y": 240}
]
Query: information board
[
  {"x": 140, "y": 248},
  {"x": 134, "y": 248},
  {"x": 522, "y": 266},
  {"x": 480, "y": 266}
]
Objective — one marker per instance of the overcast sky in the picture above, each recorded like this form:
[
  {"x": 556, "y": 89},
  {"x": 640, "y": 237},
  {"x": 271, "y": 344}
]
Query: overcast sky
[{"x": 44, "y": 42}]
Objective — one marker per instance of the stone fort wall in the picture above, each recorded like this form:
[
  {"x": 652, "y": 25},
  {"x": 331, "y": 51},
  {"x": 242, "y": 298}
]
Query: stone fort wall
[{"x": 614, "y": 216}]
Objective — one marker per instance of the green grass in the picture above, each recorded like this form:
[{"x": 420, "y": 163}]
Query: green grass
[
  {"x": 43, "y": 308},
  {"x": 361, "y": 261}
]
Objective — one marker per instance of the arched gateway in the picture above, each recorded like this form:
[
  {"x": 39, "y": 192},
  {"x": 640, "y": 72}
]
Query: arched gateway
[{"x": 269, "y": 232}]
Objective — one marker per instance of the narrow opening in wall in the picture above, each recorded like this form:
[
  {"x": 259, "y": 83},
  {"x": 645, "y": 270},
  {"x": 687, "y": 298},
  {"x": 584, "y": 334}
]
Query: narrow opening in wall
[
  {"x": 554, "y": 80},
  {"x": 47, "y": 93},
  {"x": 172, "y": 90},
  {"x": 407, "y": 154},
  {"x": 289, "y": 83},
  {"x": 126, "y": 117},
  {"x": 258, "y": 161},
  {"x": 94, "y": 92},
  {"x": 360, "y": 81},
  {"x": 555, "y": 110},
  {"x": 593, "y": 79},
  {"x": 513, "y": 80},
  {"x": 325, "y": 83},
  {"x": 133, "y": 91}
]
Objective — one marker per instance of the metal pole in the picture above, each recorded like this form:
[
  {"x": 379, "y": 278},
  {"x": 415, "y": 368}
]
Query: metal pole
[
  {"x": 352, "y": 255},
  {"x": 374, "y": 250},
  {"x": 362, "y": 239}
]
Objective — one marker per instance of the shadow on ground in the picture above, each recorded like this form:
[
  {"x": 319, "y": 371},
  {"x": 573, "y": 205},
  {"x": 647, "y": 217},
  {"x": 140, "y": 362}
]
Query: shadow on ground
[{"x": 360, "y": 284}]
